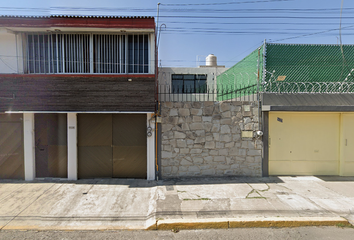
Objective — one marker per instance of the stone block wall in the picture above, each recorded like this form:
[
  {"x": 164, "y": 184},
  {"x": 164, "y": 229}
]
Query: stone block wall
[{"x": 205, "y": 139}]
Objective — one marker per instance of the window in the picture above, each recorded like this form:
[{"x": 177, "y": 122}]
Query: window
[
  {"x": 189, "y": 83},
  {"x": 86, "y": 53}
]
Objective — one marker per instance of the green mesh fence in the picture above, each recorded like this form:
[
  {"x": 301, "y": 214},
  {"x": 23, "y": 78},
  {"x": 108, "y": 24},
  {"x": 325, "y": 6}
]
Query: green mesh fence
[
  {"x": 306, "y": 69},
  {"x": 241, "y": 79},
  {"x": 309, "y": 68}
]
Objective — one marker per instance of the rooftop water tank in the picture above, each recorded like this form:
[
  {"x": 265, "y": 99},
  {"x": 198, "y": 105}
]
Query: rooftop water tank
[{"x": 211, "y": 61}]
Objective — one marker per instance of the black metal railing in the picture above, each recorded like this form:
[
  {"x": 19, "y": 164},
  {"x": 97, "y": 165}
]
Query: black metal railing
[{"x": 168, "y": 93}]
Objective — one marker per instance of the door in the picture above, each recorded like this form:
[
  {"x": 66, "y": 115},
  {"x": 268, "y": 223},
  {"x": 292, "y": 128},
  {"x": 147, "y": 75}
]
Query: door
[
  {"x": 112, "y": 145},
  {"x": 11, "y": 147},
  {"x": 95, "y": 145},
  {"x": 303, "y": 143},
  {"x": 51, "y": 145},
  {"x": 347, "y": 145},
  {"x": 129, "y": 146}
]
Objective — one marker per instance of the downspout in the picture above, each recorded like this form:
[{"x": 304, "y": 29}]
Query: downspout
[
  {"x": 260, "y": 120},
  {"x": 156, "y": 93},
  {"x": 258, "y": 93}
]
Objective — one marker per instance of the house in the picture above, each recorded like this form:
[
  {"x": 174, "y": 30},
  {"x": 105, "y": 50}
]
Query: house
[
  {"x": 306, "y": 97},
  {"x": 190, "y": 84},
  {"x": 77, "y": 96}
]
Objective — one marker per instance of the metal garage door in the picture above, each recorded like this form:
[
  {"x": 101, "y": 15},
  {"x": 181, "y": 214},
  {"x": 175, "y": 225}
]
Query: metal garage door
[
  {"x": 51, "y": 145},
  {"x": 11, "y": 146},
  {"x": 304, "y": 143},
  {"x": 112, "y": 145}
]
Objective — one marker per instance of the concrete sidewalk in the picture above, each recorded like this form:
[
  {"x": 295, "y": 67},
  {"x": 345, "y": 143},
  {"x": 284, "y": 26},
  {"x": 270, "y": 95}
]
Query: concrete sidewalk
[{"x": 171, "y": 204}]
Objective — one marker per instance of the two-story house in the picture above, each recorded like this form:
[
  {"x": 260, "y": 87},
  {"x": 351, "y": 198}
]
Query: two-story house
[{"x": 77, "y": 94}]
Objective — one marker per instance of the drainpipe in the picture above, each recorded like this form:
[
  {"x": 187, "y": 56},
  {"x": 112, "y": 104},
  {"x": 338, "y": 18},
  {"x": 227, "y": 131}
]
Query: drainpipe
[
  {"x": 258, "y": 94},
  {"x": 156, "y": 94}
]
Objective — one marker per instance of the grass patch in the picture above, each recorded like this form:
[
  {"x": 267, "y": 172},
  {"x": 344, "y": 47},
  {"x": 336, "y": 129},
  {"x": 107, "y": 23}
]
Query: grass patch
[
  {"x": 344, "y": 225},
  {"x": 255, "y": 191},
  {"x": 196, "y": 199},
  {"x": 260, "y": 197}
]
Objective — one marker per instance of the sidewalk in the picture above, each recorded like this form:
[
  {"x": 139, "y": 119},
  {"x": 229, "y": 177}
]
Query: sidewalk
[{"x": 171, "y": 204}]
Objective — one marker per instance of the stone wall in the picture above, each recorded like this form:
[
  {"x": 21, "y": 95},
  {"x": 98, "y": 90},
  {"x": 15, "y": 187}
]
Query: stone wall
[{"x": 205, "y": 139}]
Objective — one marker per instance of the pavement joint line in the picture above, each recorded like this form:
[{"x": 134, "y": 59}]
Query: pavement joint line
[{"x": 26, "y": 207}]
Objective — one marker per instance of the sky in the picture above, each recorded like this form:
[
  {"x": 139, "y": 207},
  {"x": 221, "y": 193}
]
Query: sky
[{"x": 189, "y": 30}]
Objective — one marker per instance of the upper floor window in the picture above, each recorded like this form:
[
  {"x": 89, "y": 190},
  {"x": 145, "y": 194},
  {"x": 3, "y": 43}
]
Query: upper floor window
[
  {"x": 189, "y": 83},
  {"x": 86, "y": 53}
]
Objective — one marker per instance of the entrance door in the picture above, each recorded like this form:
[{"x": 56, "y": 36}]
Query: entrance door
[
  {"x": 11, "y": 147},
  {"x": 112, "y": 145},
  {"x": 51, "y": 145}
]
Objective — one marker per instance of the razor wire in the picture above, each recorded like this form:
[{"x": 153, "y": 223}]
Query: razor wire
[{"x": 308, "y": 87}]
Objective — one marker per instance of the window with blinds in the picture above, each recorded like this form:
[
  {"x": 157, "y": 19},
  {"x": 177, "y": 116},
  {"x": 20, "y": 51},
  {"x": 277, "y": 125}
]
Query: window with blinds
[{"x": 86, "y": 53}]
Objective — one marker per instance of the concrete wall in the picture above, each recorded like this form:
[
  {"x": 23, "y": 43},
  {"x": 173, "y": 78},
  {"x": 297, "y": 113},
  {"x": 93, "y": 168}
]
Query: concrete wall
[
  {"x": 8, "y": 58},
  {"x": 206, "y": 139}
]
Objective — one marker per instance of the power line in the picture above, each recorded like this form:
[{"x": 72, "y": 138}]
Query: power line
[
  {"x": 271, "y": 10},
  {"x": 222, "y": 3},
  {"x": 305, "y": 35},
  {"x": 254, "y": 23},
  {"x": 255, "y": 17}
]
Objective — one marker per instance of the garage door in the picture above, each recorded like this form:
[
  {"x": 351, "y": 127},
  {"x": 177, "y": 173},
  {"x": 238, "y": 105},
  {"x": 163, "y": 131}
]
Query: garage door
[
  {"x": 11, "y": 147},
  {"x": 112, "y": 145},
  {"x": 304, "y": 143}
]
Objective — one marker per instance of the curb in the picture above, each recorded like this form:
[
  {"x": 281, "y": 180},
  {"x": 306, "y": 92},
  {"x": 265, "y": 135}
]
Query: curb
[
  {"x": 278, "y": 222},
  {"x": 210, "y": 223}
]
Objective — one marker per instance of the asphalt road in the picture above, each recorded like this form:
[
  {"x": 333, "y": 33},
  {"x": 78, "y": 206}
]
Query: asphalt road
[{"x": 245, "y": 233}]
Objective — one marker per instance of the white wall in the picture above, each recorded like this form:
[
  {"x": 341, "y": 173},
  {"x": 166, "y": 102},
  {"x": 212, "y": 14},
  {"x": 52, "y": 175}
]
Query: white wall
[
  {"x": 29, "y": 146},
  {"x": 151, "y": 148},
  {"x": 72, "y": 146},
  {"x": 8, "y": 59},
  {"x": 152, "y": 54}
]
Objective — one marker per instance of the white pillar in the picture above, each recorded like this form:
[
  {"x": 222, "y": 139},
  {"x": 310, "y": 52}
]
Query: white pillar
[
  {"x": 151, "y": 149},
  {"x": 29, "y": 146},
  {"x": 72, "y": 146}
]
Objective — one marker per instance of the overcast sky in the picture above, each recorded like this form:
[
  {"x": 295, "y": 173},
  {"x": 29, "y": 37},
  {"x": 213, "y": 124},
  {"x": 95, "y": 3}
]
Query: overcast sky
[{"x": 230, "y": 29}]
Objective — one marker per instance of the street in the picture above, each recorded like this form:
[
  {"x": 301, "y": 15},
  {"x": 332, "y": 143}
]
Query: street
[{"x": 243, "y": 233}]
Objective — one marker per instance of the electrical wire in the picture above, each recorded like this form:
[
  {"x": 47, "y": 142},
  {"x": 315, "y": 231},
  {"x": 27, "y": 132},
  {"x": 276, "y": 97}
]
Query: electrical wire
[
  {"x": 306, "y": 35},
  {"x": 220, "y": 3}
]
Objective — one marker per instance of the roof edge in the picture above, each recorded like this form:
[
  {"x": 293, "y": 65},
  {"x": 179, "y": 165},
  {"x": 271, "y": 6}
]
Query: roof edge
[{"x": 76, "y": 16}]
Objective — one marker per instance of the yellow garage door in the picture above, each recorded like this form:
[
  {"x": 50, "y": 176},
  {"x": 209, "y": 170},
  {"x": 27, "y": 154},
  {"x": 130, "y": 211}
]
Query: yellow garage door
[
  {"x": 347, "y": 145},
  {"x": 304, "y": 143}
]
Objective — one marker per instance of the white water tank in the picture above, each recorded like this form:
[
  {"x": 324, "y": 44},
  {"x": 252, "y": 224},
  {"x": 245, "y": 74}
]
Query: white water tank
[{"x": 211, "y": 61}]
